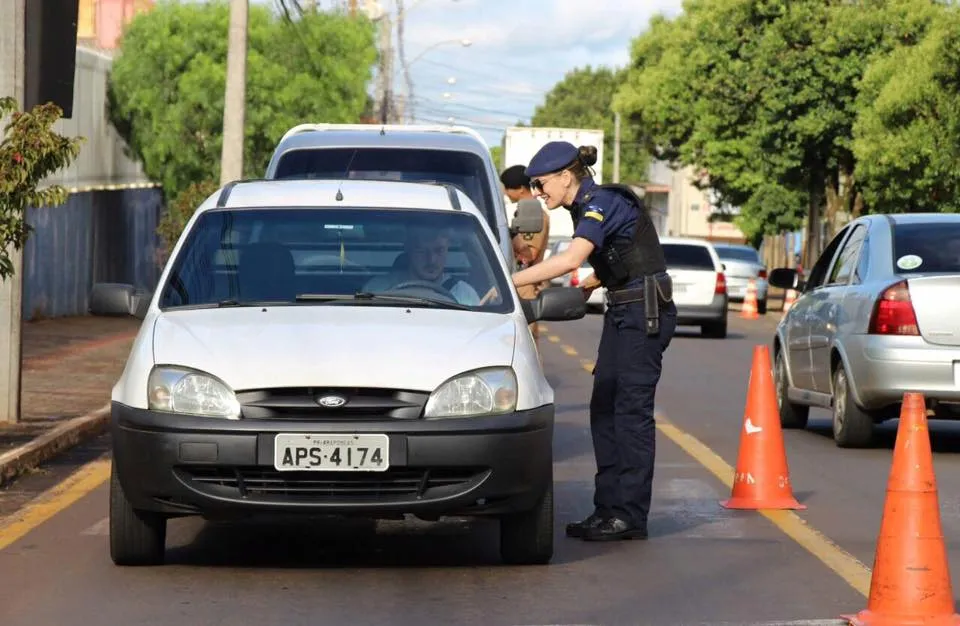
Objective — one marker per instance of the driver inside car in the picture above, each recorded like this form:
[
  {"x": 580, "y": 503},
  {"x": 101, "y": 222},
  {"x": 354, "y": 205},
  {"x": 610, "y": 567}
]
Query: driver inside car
[{"x": 426, "y": 261}]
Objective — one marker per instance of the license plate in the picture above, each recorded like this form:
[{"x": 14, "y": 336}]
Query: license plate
[{"x": 331, "y": 453}]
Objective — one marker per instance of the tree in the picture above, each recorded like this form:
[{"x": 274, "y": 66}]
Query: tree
[
  {"x": 29, "y": 152},
  {"x": 583, "y": 99},
  {"x": 167, "y": 83},
  {"x": 907, "y": 136},
  {"x": 762, "y": 96}
]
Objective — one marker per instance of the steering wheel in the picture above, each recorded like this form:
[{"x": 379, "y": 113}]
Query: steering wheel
[
  {"x": 413, "y": 284},
  {"x": 487, "y": 297}
]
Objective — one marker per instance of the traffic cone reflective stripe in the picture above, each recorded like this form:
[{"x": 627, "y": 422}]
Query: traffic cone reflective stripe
[
  {"x": 762, "y": 478},
  {"x": 749, "y": 310},
  {"x": 910, "y": 583}
]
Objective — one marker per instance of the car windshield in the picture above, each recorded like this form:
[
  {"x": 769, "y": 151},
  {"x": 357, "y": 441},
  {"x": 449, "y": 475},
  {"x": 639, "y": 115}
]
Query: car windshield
[
  {"x": 927, "y": 247},
  {"x": 311, "y": 256},
  {"x": 738, "y": 254},
  {"x": 461, "y": 169},
  {"x": 682, "y": 256}
]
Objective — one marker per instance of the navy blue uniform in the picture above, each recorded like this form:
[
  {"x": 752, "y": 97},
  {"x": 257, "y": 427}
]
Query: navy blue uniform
[
  {"x": 629, "y": 359},
  {"x": 629, "y": 363}
]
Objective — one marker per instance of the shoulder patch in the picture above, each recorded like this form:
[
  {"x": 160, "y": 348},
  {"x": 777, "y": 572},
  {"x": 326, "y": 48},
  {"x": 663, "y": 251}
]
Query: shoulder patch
[{"x": 594, "y": 212}]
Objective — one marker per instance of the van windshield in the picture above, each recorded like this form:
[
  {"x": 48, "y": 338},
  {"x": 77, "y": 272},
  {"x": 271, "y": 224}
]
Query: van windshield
[
  {"x": 352, "y": 256},
  {"x": 465, "y": 170}
]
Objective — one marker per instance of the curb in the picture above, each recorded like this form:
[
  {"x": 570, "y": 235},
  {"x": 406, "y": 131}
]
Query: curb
[{"x": 47, "y": 445}]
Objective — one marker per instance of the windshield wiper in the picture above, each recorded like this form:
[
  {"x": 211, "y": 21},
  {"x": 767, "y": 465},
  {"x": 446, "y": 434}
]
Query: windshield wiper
[{"x": 378, "y": 297}]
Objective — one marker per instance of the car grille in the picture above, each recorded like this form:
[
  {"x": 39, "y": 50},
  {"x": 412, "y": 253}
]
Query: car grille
[
  {"x": 267, "y": 483},
  {"x": 305, "y": 403}
]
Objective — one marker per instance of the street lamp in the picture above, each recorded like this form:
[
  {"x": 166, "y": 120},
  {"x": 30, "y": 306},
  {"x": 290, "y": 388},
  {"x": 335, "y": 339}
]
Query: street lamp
[{"x": 466, "y": 43}]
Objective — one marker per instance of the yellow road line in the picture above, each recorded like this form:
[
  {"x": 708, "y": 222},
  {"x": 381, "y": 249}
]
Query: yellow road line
[
  {"x": 833, "y": 556},
  {"x": 54, "y": 500},
  {"x": 553, "y": 338},
  {"x": 568, "y": 350},
  {"x": 838, "y": 560},
  {"x": 587, "y": 366}
]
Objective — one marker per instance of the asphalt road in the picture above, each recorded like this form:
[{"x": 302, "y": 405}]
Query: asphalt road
[{"x": 702, "y": 565}]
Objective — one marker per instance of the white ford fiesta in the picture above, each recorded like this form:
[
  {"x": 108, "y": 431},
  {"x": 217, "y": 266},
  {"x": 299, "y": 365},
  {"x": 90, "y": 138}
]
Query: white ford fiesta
[{"x": 333, "y": 347}]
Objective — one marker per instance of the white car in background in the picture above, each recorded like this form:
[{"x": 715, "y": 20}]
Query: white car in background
[
  {"x": 741, "y": 263},
  {"x": 699, "y": 284},
  {"x": 597, "y": 300}
]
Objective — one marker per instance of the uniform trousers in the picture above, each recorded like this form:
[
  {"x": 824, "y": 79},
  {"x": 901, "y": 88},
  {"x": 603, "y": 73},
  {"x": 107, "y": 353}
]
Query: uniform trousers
[{"x": 626, "y": 374}]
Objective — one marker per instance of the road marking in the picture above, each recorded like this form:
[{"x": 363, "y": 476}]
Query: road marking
[
  {"x": 587, "y": 366},
  {"x": 568, "y": 350},
  {"x": 553, "y": 338},
  {"x": 101, "y": 528},
  {"x": 833, "y": 556},
  {"x": 838, "y": 560},
  {"x": 54, "y": 500}
]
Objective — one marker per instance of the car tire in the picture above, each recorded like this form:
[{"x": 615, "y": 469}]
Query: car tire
[
  {"x": 527, "y": 538},
  {"x": 852, "y": 426},
  {"x": 791, "y": 415},
  {"x": 714, "y": 330},
  {"x": 136, "y": 537}
]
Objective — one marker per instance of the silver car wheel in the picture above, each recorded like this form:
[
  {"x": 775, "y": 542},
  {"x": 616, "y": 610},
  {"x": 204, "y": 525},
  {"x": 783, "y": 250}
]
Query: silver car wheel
[{"x": 839, "y": 400}]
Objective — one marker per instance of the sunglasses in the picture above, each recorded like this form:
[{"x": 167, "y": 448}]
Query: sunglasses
[{"x": 536, "y": 184}]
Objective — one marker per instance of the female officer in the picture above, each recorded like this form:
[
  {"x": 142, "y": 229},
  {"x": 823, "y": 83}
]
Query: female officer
[{"x": 619, "y": 240}]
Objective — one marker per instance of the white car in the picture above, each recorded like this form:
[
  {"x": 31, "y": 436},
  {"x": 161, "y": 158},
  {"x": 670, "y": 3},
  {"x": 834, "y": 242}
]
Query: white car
[
  {"x": 333, "y": 347},
  {"x": 699, "y": 284},
  {"x": 741, "y": 264}
]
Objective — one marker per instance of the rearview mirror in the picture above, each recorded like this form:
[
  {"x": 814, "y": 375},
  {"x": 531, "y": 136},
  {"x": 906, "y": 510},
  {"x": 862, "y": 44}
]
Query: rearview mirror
[
  {"x": 555, "y": 304},
  {"x": 118, "y": 299},
  {"x": 529, "y": 217},
  {"x": 784, "y": 278}
]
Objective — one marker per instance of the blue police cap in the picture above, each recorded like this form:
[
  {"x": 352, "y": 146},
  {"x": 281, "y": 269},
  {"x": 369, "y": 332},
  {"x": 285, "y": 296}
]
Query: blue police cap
[{"x": 553, "y": 156}]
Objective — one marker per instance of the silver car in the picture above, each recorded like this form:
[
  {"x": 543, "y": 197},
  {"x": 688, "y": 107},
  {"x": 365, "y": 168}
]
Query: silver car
[
  {"x": 741, "y": 264},
  {"x": 878, "y": 316}
]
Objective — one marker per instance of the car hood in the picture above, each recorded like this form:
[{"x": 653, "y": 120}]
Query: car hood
[{"x": 337, "y": 346}]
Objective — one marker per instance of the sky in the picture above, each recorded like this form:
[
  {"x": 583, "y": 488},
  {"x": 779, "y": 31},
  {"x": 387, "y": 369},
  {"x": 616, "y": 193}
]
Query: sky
[{"x": 519, "y": 49}]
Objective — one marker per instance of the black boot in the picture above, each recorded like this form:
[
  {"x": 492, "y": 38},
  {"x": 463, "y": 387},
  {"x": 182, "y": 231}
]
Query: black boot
[
  {"x": 578, "y": 529},
  {"x": 614, "y": 529}
]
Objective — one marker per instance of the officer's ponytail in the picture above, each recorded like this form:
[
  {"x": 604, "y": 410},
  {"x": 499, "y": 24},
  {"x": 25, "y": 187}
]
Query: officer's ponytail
[{"x": 586, "y": 157}]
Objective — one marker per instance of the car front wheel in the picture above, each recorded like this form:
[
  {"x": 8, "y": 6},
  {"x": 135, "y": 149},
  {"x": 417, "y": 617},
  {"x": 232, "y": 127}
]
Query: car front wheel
[
  {"x": 527, "y": 538},
  {"x": 136, "y": 537}
]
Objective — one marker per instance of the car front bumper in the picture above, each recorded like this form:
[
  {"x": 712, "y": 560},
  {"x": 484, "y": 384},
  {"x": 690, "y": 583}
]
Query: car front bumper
[
  {"x": 884, "y": 368},
  {"x": 184, "y": 465}
]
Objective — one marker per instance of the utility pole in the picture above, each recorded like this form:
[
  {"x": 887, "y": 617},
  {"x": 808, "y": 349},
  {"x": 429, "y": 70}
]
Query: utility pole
[
  {"x": 386, "y": 68},
  {"x": 231, "y": 156},
  {"x": 353, "y": 8},
  {"x": 616, "y": 147},
  {"x": 401, "y": 15},
  {"x": 12, "y": 73}
]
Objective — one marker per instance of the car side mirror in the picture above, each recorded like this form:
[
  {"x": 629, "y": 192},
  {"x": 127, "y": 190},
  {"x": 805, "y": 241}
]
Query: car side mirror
[
  {"x": 118, "y": 299},
  {"x": 529, "y": 217},
  {"x": 555, "y": 304},
  {"x": 785, "y": 278}
]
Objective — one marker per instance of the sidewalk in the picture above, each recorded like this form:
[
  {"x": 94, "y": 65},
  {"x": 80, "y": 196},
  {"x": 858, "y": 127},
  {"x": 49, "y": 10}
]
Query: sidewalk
[{"x": 69, "y": 367}]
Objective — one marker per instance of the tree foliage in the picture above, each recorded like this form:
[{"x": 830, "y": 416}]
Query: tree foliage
[
  {"x": 30, "y": 151},
  {"x": 762, "y": 98},
  {"x": 583, "y": 99},
  {"x": 167, "y": 84}
]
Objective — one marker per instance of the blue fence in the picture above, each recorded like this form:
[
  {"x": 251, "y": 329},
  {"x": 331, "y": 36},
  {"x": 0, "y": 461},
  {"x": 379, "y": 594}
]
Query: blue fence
[{"x": 96, "y": 236}]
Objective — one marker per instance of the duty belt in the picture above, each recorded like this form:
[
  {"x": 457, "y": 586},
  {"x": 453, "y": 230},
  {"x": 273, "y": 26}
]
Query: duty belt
[{"x": 653, "y": 291}]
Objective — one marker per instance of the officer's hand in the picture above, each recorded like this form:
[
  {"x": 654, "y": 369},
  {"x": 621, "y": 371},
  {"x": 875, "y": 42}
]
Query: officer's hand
[{"x": 591, "y": 283}]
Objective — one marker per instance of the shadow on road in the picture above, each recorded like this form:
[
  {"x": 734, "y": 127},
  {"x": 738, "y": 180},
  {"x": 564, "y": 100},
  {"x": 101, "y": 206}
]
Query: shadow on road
[{"x": 944, "y": 435}]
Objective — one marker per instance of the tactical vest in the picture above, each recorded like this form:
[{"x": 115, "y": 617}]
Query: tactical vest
[{"x": 624, "y": 260}]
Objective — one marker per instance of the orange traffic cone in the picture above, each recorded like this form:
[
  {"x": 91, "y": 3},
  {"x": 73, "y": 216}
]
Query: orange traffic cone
[
  {"x": 749, "y": 309},
  {"x": 910, "y": 583},
  {"x": 788, "y": 299},
  {"x": 762, "y": 478}
]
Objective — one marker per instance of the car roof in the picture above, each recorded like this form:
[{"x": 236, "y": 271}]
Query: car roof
[
  {"x": 686, "y": 240},
  {"x": 307, "y": 136},
  {"x": 917, "y": 218},
  {"x": 357, "y": 194}
]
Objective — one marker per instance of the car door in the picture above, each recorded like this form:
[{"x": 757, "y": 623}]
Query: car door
[
  {"x": 826, "y": 311},
  {"x": 799, "y": 317}
]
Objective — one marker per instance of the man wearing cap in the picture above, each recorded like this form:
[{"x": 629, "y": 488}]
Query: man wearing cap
[
  {"x": 614, "y": 232},
  {"x": 528, "y": 248}
]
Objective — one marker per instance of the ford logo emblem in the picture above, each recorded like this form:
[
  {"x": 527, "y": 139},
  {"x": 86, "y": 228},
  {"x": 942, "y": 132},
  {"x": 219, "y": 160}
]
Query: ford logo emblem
[{"x": 331, "y": 402}]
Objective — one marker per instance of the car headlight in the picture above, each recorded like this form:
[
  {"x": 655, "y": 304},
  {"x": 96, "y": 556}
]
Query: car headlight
[
  {"x": 181, "y": 390},
  {"x": 482, "y": 392}
]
